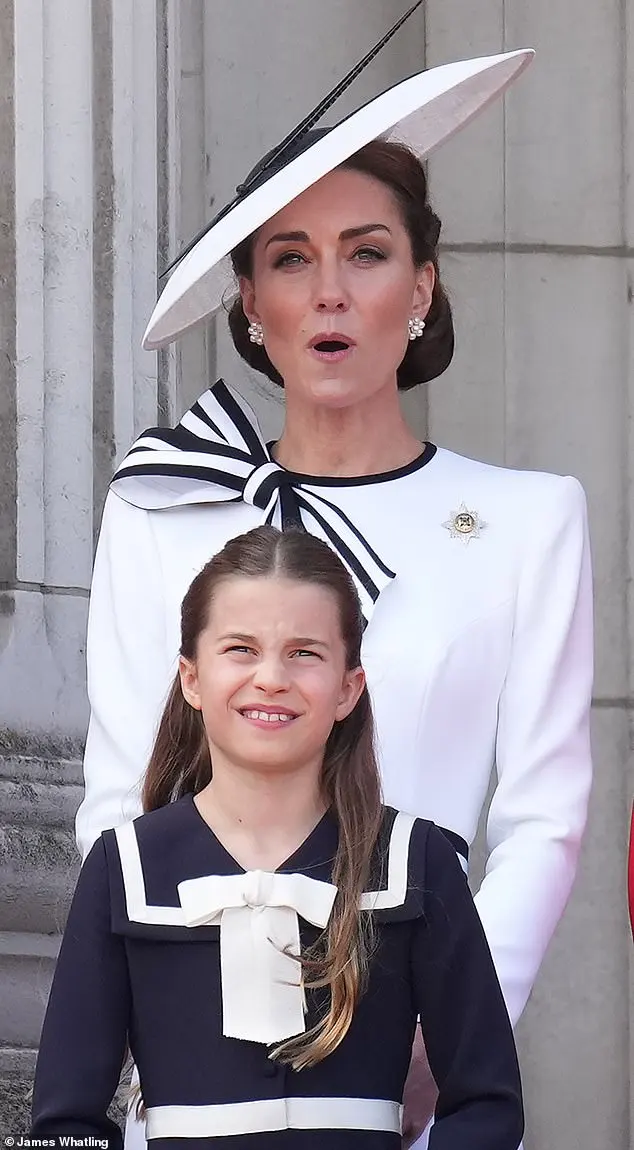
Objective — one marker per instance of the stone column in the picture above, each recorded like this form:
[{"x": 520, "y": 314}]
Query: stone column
[
  {"x": 194, "y": 354},
  {"x": 85, "y": 118},
  {"x": 627, "y": 702}
]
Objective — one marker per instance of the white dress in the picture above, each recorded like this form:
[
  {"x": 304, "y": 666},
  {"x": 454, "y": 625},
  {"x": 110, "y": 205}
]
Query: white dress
[{"x": 478, "y": 652}]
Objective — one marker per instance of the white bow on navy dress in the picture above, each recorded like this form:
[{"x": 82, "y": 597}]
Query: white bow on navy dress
[
  {"x": 217, "y": 454},
  {"x": 257, "y": 911}
]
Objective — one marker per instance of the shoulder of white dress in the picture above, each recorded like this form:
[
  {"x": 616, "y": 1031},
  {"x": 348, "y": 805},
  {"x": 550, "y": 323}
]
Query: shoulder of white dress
[{"x": 508, "y": 483}]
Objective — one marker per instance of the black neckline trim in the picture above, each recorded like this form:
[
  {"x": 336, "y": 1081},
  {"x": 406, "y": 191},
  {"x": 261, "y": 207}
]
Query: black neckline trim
[{"x": 425, "y": 457}]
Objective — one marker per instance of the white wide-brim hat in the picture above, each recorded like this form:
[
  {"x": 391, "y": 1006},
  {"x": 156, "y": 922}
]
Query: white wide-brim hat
[{"x": 422, "y": 112}]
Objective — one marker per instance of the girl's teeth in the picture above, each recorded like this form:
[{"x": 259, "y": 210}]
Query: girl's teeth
[{"x": 268, "y": 718}]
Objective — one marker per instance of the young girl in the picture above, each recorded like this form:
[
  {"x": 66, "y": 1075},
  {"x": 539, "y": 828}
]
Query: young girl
[{"x": 265, "y": 936}]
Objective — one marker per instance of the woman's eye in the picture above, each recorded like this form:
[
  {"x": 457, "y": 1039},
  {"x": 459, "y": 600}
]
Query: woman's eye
[
  {"x": 288, "y": 259},
  {"x": 368, "y": 255}
]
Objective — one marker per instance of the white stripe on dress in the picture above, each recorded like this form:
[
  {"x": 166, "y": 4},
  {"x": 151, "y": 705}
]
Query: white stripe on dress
[{"x": 271, "y": 1114}]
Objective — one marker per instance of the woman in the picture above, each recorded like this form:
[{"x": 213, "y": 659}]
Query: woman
[
  {"x": 474, "y": 580},
  {"x": 169, "y": 940}
]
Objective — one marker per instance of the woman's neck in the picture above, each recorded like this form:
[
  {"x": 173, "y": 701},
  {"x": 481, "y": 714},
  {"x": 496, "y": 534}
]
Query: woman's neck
[
  {"x": 365, "y": 438},
  {"x": 261, "y": 818}
]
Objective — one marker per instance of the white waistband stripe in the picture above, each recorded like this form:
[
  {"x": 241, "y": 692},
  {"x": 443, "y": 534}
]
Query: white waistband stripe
[{"x": 270, "y": 1114}]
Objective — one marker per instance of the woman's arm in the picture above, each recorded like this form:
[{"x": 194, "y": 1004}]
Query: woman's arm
[
  {"x": 538, "y": 811},
  {"x": 464, "y": 1020},
  {"x": 129, "y": 668},
  {"x": 83, "y": 1041}
]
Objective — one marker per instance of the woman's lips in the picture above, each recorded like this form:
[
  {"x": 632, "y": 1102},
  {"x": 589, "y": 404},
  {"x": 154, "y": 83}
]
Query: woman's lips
[{"x": 331, "y": 349}]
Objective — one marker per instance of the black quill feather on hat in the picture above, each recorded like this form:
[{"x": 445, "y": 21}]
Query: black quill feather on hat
[{"x": 301, "y": 137}]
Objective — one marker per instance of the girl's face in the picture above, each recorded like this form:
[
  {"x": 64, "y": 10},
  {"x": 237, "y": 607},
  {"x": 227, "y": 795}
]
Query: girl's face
[
  {"x": 270, "y": 674},
  {"x": 334, "y": 285}
]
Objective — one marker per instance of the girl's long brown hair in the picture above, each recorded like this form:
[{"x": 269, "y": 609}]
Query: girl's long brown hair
[{"x": 180, "y": 764}]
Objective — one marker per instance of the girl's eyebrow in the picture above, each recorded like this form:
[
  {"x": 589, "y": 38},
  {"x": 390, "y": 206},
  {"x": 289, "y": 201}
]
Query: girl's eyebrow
[
  {"x": 348, "y": 234},
  {"x": 298, "y": 641},
  {"x": 305, "y": 642}
]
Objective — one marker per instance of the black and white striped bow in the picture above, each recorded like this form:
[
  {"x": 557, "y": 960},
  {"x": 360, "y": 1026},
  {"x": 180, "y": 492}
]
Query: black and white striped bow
[{"x": 217, "y": 454}]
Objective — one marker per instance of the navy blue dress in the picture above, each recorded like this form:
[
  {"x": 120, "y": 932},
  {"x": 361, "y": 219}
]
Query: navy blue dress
[{"x": 129, "y": 972}]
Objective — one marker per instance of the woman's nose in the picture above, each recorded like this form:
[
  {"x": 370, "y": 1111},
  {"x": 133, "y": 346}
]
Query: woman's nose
[{"x": 331, "y": 294}]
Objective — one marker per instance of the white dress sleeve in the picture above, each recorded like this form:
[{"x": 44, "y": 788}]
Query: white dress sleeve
[
  {"x": 538, "y": 812},
  {"x": 129, "y": 669}
]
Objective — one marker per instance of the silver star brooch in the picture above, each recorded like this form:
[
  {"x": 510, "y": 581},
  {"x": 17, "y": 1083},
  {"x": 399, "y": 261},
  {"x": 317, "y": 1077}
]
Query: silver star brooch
[{"x": 464, "y": 524}]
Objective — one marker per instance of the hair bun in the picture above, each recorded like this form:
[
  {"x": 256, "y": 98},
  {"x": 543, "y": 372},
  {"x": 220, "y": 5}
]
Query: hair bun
[
  {"x": 426, "y": 358},
  {"x": 433, "y": 233}
]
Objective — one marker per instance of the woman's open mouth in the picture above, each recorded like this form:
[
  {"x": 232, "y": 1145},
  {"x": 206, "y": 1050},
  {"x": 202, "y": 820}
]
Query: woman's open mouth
[{"x": 331, "y": 347}]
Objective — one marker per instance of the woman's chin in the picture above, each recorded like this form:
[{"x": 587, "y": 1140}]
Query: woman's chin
[
  {"x": 338, "y": 385},
  {"x": 338, "y": 390}
]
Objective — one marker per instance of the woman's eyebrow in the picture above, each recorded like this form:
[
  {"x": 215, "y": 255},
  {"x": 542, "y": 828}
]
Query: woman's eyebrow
[
  {"x": 348, "y": 234},
  {"x": 289, "y": 238},
  {"x": 352, "y": 233}
]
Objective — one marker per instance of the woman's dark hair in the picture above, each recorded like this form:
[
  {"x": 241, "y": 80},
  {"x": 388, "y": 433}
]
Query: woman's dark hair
[
  {"x": 180, "y": 764},
  {"x": 396, "y": 166}
]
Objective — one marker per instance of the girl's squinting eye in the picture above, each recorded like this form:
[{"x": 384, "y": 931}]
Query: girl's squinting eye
[{"x": 240, "y": 650}]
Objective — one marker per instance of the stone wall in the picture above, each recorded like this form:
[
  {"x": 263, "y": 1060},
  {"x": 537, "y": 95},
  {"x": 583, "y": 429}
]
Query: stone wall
[
  {"x": 538, "y": 257},
  {"x": 82, "y": 122},
  {"x": 40, "y": 788},
  {"x": 122, "y": 127}
]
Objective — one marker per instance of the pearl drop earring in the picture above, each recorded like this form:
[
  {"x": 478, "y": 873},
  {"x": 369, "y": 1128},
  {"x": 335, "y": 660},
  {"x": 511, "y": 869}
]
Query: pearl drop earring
[
  {"x": 416, "y": 326},
  {"x": 256, "y": 334}
]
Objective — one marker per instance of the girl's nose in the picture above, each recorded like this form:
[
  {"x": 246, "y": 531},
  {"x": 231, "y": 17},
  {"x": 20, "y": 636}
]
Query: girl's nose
[{"x": 271, "y": 675}]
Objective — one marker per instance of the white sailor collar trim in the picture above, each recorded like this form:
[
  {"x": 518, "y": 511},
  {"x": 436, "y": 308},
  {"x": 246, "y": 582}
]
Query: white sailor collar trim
[
  {"x": 394, "y": 871},
  {"x": 388, "y": 895},
  {"x": 257, "y": 915}
]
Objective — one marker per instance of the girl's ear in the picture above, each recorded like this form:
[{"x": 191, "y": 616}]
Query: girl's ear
[
  {"x": 351, "y": 691},
  {"x": 189, "y": 682}
]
